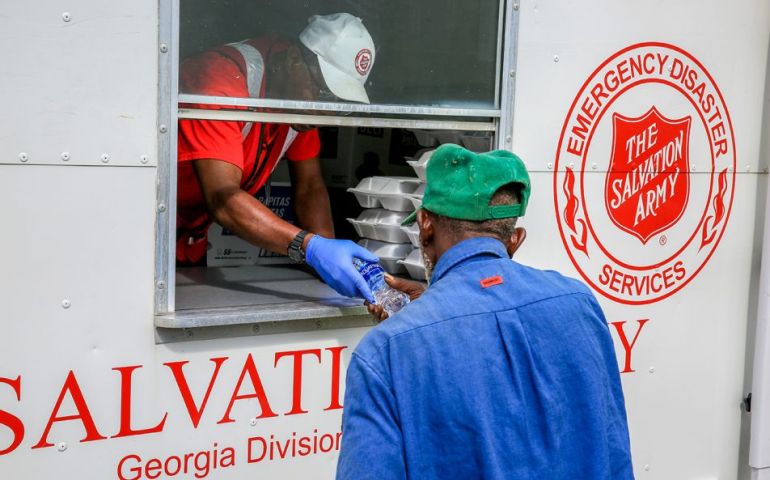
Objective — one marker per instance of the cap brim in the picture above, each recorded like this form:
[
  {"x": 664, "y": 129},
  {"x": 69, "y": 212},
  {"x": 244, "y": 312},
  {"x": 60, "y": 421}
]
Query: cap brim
[
  {"x": 410, "y": 219},
  {"x": 342, "y": 84}
]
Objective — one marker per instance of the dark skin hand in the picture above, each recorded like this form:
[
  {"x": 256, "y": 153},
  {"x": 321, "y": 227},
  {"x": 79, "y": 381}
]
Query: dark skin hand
[{"x": 410, "y": 287}]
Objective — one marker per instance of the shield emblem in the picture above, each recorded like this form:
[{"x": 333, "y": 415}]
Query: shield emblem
[{"x": 648, "y": 181}]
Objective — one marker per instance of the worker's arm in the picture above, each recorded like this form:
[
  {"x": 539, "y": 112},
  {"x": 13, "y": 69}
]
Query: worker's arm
[
  {"x": 240, "y": 212},
  {"x": 311, "y": 199},
  {"x": 247, "y": 217},
  {"x": 372, "y": 443}
]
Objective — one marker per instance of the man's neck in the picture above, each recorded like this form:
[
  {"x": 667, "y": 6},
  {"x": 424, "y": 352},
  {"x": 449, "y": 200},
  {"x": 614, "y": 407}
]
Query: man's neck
[{"x": 446, "y": 241}]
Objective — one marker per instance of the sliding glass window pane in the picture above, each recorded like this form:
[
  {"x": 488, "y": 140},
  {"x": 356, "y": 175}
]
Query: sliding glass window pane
[{"x": 433, "y": 53}]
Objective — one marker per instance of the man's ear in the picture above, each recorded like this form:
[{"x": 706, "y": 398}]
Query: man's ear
[
  {"x": 426, "y": 228},
  {"x": 517, "y": 238}
]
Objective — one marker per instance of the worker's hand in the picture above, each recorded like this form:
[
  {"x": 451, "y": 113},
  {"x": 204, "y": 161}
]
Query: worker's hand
[
  {"x": 410, "y": 287},
  {"x": 333, "y": 260}
]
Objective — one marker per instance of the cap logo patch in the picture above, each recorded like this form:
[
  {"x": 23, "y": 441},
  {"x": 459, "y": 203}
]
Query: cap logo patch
[
  {"x": 363, "y": 61},
  {"x": 491, "y": 281}
]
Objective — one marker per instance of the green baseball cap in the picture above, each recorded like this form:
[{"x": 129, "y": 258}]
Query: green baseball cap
[{"x": 461, "y": 183}]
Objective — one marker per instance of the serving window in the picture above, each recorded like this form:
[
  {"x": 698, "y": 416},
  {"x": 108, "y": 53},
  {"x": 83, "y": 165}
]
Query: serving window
[
  {"x": 440, "y": 53},
  {"x": 441, "y": 72}
]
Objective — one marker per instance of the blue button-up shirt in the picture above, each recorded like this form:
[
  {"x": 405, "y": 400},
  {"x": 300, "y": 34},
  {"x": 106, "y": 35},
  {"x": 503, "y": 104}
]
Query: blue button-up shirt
[{"x": 499, "y": 371}]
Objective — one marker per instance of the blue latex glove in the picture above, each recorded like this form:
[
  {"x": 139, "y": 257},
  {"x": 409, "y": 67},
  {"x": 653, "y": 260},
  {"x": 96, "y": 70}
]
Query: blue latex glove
[{"x": 333, "y": 260}]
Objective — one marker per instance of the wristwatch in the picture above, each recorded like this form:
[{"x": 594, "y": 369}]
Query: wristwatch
[{"x": 296, "y": 252}]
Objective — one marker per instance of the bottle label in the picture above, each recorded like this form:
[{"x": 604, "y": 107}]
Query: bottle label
[
  {"x": 391, "y": 300},
  {"x": 372, "y": 273}
]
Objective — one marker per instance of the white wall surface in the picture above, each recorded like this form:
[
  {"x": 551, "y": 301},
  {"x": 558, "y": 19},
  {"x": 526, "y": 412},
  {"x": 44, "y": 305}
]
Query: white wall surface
[{"x": 79, "y": 77}]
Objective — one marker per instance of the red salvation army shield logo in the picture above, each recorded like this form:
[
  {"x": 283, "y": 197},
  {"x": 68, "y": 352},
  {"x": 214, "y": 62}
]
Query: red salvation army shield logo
[
  {"x": 644, "y": 173},
  {"x": 647, "y": 184}
]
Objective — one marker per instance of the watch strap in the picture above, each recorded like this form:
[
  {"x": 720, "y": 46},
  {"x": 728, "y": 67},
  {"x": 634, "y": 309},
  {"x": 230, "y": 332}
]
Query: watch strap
[{"x": 295, "y": 251}]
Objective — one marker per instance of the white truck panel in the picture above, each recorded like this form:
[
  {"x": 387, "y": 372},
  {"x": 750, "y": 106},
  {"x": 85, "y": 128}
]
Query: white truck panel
[
  {"x": 77, "y": 287},
  {"x": 561, "y": 43},
  {"x": 80, "y": 81},
  {"x": 760, "y": 422},
  {"x": 684, "y": 396}
]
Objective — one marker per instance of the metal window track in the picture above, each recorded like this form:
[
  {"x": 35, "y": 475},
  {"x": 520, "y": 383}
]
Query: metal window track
[
  {"x": 344, "y": 108},
  {"x": 282, "y": 312},
  {"x": 299, "y": 119}
]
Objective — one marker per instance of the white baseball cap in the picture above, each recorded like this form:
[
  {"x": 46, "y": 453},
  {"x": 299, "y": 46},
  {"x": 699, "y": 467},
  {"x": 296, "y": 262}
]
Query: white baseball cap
[{"x": 345, "y": 53}]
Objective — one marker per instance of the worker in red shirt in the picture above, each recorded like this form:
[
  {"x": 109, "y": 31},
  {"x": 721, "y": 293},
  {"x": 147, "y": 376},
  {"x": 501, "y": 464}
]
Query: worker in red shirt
[{"x": 222, "y": 164}]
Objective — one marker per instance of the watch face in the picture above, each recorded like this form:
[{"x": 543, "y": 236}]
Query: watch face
[{"x": 295, "y": 254}]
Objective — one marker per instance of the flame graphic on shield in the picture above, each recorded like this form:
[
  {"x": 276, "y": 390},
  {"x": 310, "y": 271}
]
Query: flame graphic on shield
[{"x": 648, "y": 183}]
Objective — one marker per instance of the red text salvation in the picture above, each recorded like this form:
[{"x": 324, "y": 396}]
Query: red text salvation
[{"x": 248, "y": 386}]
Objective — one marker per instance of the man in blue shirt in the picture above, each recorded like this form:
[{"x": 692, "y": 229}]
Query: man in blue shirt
[{"x": 498, "y": 371}]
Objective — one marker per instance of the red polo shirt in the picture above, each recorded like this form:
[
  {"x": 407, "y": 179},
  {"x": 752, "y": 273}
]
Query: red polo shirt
[{"x": 255, "y": 148}]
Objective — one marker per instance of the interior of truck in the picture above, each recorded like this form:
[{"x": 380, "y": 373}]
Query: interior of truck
[
  {"x": 361, "y": 167},
  {"x": 426, "y": 88}
]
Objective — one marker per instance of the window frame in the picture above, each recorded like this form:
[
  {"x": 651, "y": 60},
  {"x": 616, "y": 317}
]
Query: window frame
[{"x": 499, "y": 121}]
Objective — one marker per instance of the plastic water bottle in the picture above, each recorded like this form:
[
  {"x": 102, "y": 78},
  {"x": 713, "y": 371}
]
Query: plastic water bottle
[{"x": 390, "y": 299}]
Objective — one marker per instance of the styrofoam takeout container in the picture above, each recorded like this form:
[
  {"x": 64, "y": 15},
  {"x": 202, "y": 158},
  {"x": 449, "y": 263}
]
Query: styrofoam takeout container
[
  {"x": 413, "y": 233},
  {"x": 416, "y": 197},
  {"x": 380, "y": 224},
  {"x": 424, "y": 137},
  {"x": 419, "y": 162},
  {"x": 390, "y": 193},
  {"x": 414, "y": 265},
  {"x": 389, "y": 253}
]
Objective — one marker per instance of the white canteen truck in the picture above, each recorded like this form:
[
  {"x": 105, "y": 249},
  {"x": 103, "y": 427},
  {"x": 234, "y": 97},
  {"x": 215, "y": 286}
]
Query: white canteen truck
[{"x": 646, "y": 129}]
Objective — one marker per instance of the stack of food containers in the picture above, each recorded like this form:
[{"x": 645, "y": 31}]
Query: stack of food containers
[
  {"x": 388, "y": 202},
  {"x": 477, "y": 142},
  {"x": 413, "y": 262}
]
